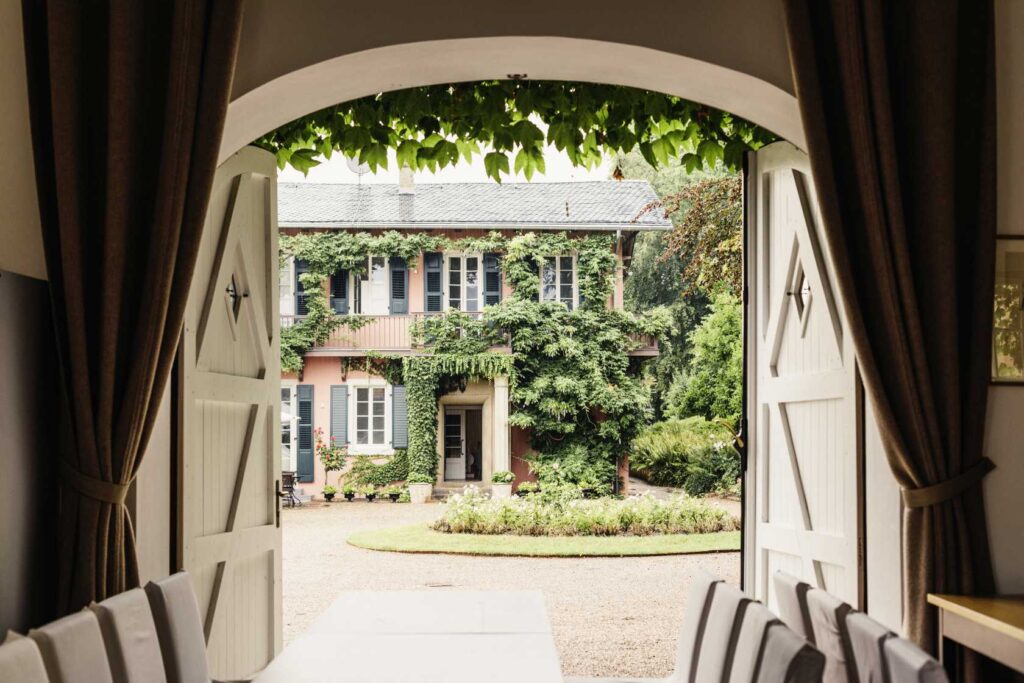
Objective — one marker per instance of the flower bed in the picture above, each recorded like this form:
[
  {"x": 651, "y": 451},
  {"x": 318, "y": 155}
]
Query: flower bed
[{"x": 473, "y": 512}]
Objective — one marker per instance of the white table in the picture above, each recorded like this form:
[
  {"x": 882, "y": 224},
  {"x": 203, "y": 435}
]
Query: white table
[{"x": 424, "y": 637}]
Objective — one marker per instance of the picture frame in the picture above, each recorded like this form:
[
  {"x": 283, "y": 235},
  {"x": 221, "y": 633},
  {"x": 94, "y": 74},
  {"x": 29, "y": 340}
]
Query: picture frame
[{"x": 1007, "y": 364}]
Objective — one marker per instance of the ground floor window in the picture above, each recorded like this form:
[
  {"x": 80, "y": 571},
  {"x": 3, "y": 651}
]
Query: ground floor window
[
  {"x": 288, "y": 418},
  {"x": 370, "y": 414}
]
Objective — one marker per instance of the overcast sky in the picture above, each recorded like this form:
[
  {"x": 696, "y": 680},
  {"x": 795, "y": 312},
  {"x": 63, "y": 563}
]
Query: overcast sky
[{"x": 559, "y": 169}]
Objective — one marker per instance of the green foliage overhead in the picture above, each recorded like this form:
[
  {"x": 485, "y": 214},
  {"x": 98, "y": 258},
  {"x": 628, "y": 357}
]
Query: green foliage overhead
[
  {"x": 509, "y": 123},
  {"x": 713, "y": 386}
]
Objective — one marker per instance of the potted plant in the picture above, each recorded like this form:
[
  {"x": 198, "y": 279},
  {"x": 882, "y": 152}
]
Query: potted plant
[
  {"x": 501, "y": 484},
  {"x": 329, "y": 492},
  {"x": 392, "y": 492},
  {"x": 349, "y": 491},
  {"x": 420, "y": 487},
  {"x": 527, "y": 487},
  {"x": 331, "y": 455},
  {"x": 369, "y": 491}
]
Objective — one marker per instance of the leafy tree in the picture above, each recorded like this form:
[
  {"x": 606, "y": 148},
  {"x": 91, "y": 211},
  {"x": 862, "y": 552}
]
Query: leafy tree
[
  {"x": 435, "y": 126},
  {"x": 713, "y": 387}
]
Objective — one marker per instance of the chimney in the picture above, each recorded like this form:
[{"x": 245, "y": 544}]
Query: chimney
[{"x": 406, "y": 182}]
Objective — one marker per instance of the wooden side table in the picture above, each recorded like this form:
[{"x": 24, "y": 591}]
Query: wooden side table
[{"x": 992, "y": 626}]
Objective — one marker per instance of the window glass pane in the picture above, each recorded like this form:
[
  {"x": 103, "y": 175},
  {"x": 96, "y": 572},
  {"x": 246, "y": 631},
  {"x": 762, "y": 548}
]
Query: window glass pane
[
  {"x": 378, "y": 422},
  {"x": 378, "y": 394},
  {"x": 378, "y": 437},
  {"x": 361, "y": 394},
  {"x": 565, "y": 263},
  {"x": 378, "y": 408},
  {"x": 548, "y": 277},
  {"x": 362, "y": 408},
  {"x": 361, "y": 438},
  {"x": 566, "y": 293},
  {"x": 377, "y": 269}
]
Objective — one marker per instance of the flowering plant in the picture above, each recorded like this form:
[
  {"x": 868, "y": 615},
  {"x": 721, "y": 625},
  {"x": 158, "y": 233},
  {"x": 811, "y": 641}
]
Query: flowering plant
[{"x": 331, "y": 455}]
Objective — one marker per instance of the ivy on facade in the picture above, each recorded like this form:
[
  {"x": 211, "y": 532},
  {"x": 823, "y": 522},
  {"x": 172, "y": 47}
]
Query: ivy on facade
[{"x": 572, "y": 381}]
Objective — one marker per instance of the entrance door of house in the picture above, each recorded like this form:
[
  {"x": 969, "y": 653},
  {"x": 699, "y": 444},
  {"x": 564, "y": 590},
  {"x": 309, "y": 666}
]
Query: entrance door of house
[
  {"x": 454, "y": 444},
  {"x": 229, "y": 394},
  {"x": 804, "y": 399}
]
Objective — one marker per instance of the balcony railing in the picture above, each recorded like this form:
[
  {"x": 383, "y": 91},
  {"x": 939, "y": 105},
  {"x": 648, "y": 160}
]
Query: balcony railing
[{"x": 392, "y": 334}]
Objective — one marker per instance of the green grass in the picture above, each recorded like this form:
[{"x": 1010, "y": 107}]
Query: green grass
[{"x": 421, "y": 539}]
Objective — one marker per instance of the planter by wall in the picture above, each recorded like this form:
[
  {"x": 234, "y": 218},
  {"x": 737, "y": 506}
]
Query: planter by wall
[
  {"x": 499, "y": 491},
  {"x": 420, "y": 493}
]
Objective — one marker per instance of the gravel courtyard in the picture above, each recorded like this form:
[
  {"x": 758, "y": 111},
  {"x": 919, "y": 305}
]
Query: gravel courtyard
[{"x": 611, "y": 616}]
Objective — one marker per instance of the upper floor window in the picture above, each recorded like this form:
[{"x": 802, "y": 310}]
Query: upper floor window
[
  {"x": 370, "y": 415},
  {"x": 464, "y": 282},
  {"x": 558, "y": 280}
]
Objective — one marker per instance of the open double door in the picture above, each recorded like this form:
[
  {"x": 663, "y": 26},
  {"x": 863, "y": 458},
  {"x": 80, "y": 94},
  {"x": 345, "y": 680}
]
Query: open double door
[{"x": 804, "y": 404}]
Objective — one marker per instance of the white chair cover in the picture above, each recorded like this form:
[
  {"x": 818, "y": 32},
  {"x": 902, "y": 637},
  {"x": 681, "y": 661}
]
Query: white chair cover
[
  {"x": 180, "y": 629},
  {"x": 828, "y": 620},
  {"x": 20, "y": 661},
  {"x": 791, "y": 594},
  {"x": 714, "y": 657},
  {"x": 756, "y": 620},
  {"x": 72, "y": 649},
  {"x": 867, "y": 638},
  {"x": 910, "y": 664},
  {"x": 129, "y": 635},
  {"x": 788, "y": 658},
  {"x": 694, "y": 617}
]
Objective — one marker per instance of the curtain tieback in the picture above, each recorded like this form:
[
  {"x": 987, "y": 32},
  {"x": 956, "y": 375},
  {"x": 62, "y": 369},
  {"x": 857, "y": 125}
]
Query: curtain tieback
[
  {"x": 97, "y": 489},
  {"x": 949, "y": 489}
]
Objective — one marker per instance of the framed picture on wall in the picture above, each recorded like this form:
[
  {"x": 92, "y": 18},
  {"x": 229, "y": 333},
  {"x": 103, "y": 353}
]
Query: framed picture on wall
[{"x": 1008, "y": 310}]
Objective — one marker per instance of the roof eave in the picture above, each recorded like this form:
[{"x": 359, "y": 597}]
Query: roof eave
[{"x": 606, "y": 227}]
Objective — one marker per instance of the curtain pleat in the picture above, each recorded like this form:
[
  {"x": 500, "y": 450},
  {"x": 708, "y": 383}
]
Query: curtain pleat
[
  {"x": 897, "y": 100},
  {"x": 128, "y": 101}
]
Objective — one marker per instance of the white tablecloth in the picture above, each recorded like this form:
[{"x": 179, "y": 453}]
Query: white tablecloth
[{"x": 434, "y": 636}]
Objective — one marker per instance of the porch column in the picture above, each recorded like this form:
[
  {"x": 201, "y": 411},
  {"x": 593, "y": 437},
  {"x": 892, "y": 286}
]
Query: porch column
[{"x": 502, "y": 459}]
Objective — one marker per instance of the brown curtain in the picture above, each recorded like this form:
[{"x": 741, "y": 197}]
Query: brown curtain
[
  {"x": 897, "y": 100},
  {"x": 128, "y": 101}
]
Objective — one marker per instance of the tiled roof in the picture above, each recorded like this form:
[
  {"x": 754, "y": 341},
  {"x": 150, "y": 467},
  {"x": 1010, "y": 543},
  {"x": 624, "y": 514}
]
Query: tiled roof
[{"x": 609, "y": 204}]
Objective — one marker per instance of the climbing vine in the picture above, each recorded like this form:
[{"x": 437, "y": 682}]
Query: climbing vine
[{"x": 435, "y": 126}]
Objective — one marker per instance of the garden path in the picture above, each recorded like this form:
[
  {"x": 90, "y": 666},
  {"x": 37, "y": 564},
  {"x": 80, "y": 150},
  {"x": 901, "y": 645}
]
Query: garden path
[{"x": 610, "y": 616}]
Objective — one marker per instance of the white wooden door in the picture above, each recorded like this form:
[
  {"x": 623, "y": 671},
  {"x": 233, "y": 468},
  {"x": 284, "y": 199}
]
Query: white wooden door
[
  {"x": 804, "y": 400},
  {"x": 454, "y": 444},
  {"x": 229, "y": 391}
]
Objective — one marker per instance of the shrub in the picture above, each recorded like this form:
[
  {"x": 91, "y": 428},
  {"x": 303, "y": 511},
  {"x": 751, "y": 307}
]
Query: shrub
[
  {"x": 574, "y": 465},
  {"x": 419, "y": 478},
  {"x": 364, "y": 471},
  {"x": 502, "y": 477},
  {"x": 674, "y": 452},
  {"x": 473, "y": 512}
]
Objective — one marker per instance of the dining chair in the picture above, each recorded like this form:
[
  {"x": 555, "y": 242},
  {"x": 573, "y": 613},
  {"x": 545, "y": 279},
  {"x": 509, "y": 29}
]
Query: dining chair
[
  {"x": 756, "y": 620},
  {"x": 908, "y": 663},
  {"x": 72, "y": 649},
  {"x": 786, "y": 657},
  {"x": 179, "y": 629},
  {"x": 130, "y": 638},
  {"x": 21, "y": 661},
  {"x": 791, "y": 595},
  {"x": 867, "y": 641},
  {"x": 828, "y": 622}
]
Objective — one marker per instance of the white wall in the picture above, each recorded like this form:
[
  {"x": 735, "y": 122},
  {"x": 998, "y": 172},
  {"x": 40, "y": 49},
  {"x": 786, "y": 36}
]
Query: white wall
[{"x": 1005, "y": 444}]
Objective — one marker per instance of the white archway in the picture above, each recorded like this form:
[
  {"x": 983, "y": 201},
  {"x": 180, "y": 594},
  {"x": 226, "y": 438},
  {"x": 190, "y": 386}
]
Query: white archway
[{"x": 409, "y": 65}]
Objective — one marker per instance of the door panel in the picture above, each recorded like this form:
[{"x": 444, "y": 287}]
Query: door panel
[
  {"x": 454, "y": 445},
  {"x": 803, "y": 396},
  {"x": 229, "y": 393}
]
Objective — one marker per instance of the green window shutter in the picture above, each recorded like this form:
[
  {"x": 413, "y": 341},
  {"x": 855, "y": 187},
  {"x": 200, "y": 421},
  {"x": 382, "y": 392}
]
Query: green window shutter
[
  {"x": 339, "y": 292},
  {"x": 399, "y": 417},
  {"x": 339, "y": 414},
  {"x": 433, "y": 275},
  {"x": 399, "y": 286},
  {"x": 492, "y": 280},
  {"x": 301, "y": 307},
  {"x": 304, "y": 461}
]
